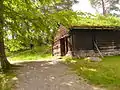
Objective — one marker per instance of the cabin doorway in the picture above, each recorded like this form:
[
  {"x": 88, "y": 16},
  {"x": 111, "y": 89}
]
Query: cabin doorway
[{"x": 64, "y": 46}]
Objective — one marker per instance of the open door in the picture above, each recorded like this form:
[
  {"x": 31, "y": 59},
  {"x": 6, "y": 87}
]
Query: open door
[{"x": 64, "y": 46}]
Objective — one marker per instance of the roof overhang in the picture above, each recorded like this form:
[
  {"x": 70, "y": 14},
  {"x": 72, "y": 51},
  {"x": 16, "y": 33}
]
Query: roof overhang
[{"x": 96, "y": 27}]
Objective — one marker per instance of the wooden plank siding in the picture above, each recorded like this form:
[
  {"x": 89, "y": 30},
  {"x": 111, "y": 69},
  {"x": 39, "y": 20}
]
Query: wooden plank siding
[
  {"x": 56, "y": 48},
  {"x": 83, "y": 42},
  {"x": 60, "y": 46},
  {"x": 108, "y": 42}
]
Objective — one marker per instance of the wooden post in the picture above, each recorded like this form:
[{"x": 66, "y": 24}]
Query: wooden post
[{"x": 98, "y": 50}]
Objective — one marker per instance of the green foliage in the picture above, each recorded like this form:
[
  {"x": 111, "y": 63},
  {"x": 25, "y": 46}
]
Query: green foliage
[
  {"x": 86, "y": 19},
  {"x": 28, "y": 20},
  {"x": 14, "y": 45},
  {"x": 105, "y": 74},
  {"x": 43, "y": 33},
  {"x": 37, "y": 53}
]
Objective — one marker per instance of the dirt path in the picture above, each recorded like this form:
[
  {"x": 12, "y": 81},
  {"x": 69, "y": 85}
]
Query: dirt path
[{"x": 48, "y": 76}]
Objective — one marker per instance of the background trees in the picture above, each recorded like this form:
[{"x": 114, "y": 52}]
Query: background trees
[
  {"x": 35, "y": 21},
  {"x": 26, "y": 21},
  {"x": 107, "y": 6}
]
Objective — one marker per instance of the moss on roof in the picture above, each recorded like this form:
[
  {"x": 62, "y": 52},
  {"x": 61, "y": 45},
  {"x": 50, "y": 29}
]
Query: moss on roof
[{"x": 98, "y": 20}]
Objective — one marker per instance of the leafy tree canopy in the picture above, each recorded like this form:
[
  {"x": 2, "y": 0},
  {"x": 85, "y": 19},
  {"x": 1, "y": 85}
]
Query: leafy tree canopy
[{"x": 33, "y": 20}]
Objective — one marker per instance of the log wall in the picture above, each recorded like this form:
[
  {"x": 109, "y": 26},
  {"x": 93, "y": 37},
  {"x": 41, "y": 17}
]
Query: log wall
[
  {"x": 56, "y": 48},
  {"x": 108, "y": 42}
]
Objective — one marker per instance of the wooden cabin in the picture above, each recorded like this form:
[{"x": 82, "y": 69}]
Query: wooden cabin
[{"x": 84, "y": 41}]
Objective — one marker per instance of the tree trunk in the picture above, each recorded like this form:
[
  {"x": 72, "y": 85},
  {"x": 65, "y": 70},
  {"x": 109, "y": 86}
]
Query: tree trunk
[
  {"x": 3, "y": 60},
  {"x": 103, "y": 7}
]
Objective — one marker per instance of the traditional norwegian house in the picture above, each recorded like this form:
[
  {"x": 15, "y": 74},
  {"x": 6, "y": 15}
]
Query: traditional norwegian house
[{"x": 83, "y": 41}]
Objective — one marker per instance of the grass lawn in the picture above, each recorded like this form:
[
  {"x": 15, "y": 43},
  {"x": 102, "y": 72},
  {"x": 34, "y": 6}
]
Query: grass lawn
[
  {"x": 104, "y": 74},
  {"x": 37, "y": 53}
]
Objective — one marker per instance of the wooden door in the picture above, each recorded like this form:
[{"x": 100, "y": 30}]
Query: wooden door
[{"x": 64, "y": 46}]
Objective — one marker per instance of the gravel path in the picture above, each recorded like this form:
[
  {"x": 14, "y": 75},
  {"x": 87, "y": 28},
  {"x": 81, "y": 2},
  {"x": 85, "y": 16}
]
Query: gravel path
[{"x": 48, "y": 76}]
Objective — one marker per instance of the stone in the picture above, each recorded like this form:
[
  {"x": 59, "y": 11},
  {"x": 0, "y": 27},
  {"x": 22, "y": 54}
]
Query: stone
[
  {"x": 69, "y": 53},
  {"x": 93, "y": 59}
]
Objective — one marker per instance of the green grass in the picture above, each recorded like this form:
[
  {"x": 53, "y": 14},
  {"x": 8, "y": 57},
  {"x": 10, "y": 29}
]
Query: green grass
[
  {"x": 104, "y": 74},
  {"x": 6, "y": 82},
  {"x": 38, "y": 53}
]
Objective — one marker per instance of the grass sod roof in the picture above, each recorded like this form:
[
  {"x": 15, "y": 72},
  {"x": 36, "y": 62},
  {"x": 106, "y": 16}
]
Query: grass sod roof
[
  {"x": 96, "y": 22},
  {"x": 89, "y": 22}
]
